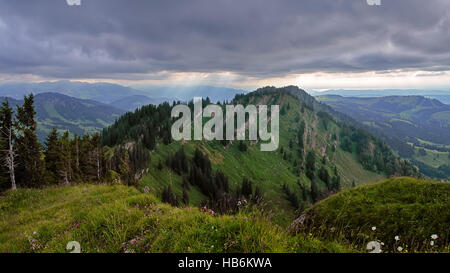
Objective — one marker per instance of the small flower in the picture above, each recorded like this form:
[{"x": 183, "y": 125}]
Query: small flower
[
  {"x": 34, "y": 233},
  {"x": 397, "y": 238},
  {"x": 400, "y": 249},
  {"x": 432, "y": 243},
  {"x": 374, "y": 228},
  {"x": 434, "y": 236}
]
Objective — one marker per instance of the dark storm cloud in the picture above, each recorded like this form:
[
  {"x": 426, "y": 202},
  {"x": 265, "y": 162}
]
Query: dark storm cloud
[{"x": 258, "y": 38}]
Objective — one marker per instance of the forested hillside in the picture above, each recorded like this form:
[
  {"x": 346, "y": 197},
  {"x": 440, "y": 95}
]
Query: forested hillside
[
  {"x": 416, "y": 127},
  {"x": 54, "y": 110}
]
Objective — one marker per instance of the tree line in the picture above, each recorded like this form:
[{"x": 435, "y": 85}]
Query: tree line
[{"x": 62, "y": 159}]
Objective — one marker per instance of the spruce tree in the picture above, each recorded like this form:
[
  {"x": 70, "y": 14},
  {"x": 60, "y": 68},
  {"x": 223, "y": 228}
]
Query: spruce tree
[
  {"x": 31, "y": 169},
  {"x": 64, "y": 163},
  {"x": 52, "y": 156},
  {"x": 314, "y": 191},
  {"x": 310, "y": 165}
]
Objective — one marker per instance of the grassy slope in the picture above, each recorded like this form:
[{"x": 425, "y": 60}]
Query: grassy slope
[
  {"x": 410, "y": 208},
  {"x": 108, "y": 218},
  {"x": 268, "y": 170},
  {"x": 433, "y": 158}
]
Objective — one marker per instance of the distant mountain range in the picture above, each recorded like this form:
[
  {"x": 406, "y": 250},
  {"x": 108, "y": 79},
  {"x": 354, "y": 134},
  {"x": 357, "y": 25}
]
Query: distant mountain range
[
  {"x": 101, "y": 92},
  {"x": 116, "y": 95},
  {"x": 441, "y": 95},
  {"x": 185, "y": 93},
  {"x": 82, "y": 107},
  {"x": 133, "y": 102},
  {"x": 68, "y": 113},
  {"x": 416, "y": 127}
]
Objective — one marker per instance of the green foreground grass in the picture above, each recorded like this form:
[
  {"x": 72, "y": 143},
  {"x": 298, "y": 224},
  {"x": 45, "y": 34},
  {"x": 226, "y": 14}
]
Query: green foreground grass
[
  {"x": 104, "y": 218},
  {"x": 412, "y": 209}
]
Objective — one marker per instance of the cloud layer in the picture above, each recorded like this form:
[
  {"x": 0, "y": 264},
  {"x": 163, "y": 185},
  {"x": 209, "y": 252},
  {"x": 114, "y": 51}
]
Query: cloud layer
[{"x": 130, "y": 39}]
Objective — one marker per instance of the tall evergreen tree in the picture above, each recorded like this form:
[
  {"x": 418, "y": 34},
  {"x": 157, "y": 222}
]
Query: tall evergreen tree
[
  {"x": 65, "y": 159},
  {"x": 52, "y": 156},
  {"x": 314, "y": 191},
  {"x": 31, "y": 169},
  {"x": 310, "y": 165}
]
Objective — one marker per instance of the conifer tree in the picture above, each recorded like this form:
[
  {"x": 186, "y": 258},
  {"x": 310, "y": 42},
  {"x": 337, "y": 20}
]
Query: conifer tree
[
  {"x": 65, "y": 160},
  {"x": 314, "y": 191},
  {"x": 310, "y": 165},
  {"x": 31, "y": 169},
  {"x": 52, "y": 156}
]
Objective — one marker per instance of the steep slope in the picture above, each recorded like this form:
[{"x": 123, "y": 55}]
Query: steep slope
[
  {"x": 282, "y": 176},
  {"x": 409, "y": 208},
  {"x": 67, "y": 113},
  {"x": 416, "y": 127},
  {"x": 119, "y": 219}
]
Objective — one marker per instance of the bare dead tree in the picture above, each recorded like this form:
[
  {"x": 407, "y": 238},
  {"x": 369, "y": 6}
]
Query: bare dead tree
[
  {"x": 96, "y": 154},
  {"x": 77, "y": 161},
  {"x": 65, "y": 168},
  {"x": 9, "y": 159}
]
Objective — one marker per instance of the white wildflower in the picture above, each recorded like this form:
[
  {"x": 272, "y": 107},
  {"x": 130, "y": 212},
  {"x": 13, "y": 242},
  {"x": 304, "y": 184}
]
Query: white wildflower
[
  {"x": 400, "y": 249},
  {"x": 434, "y": 236},
  {"x": 397, "y": 238},
  {"x": 374, "y": 228},
  {"x": 432, "y": 243}
]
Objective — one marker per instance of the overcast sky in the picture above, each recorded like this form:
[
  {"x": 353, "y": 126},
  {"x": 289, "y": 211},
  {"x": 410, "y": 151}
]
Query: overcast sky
[{"x": 316, "y": 44}]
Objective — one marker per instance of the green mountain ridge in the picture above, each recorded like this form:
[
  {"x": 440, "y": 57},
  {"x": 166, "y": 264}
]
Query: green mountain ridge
[
  {"x": 416, "y": 127},
  {"x": 281, "y": 176},
  {"x": 441, "y": 95},
  {"x": 78, "y": 116},
  {"x": 134, "y": 102}
]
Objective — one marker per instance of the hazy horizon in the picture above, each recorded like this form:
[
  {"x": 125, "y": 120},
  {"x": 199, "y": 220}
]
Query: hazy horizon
[{"x": 229, "y": 43}]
